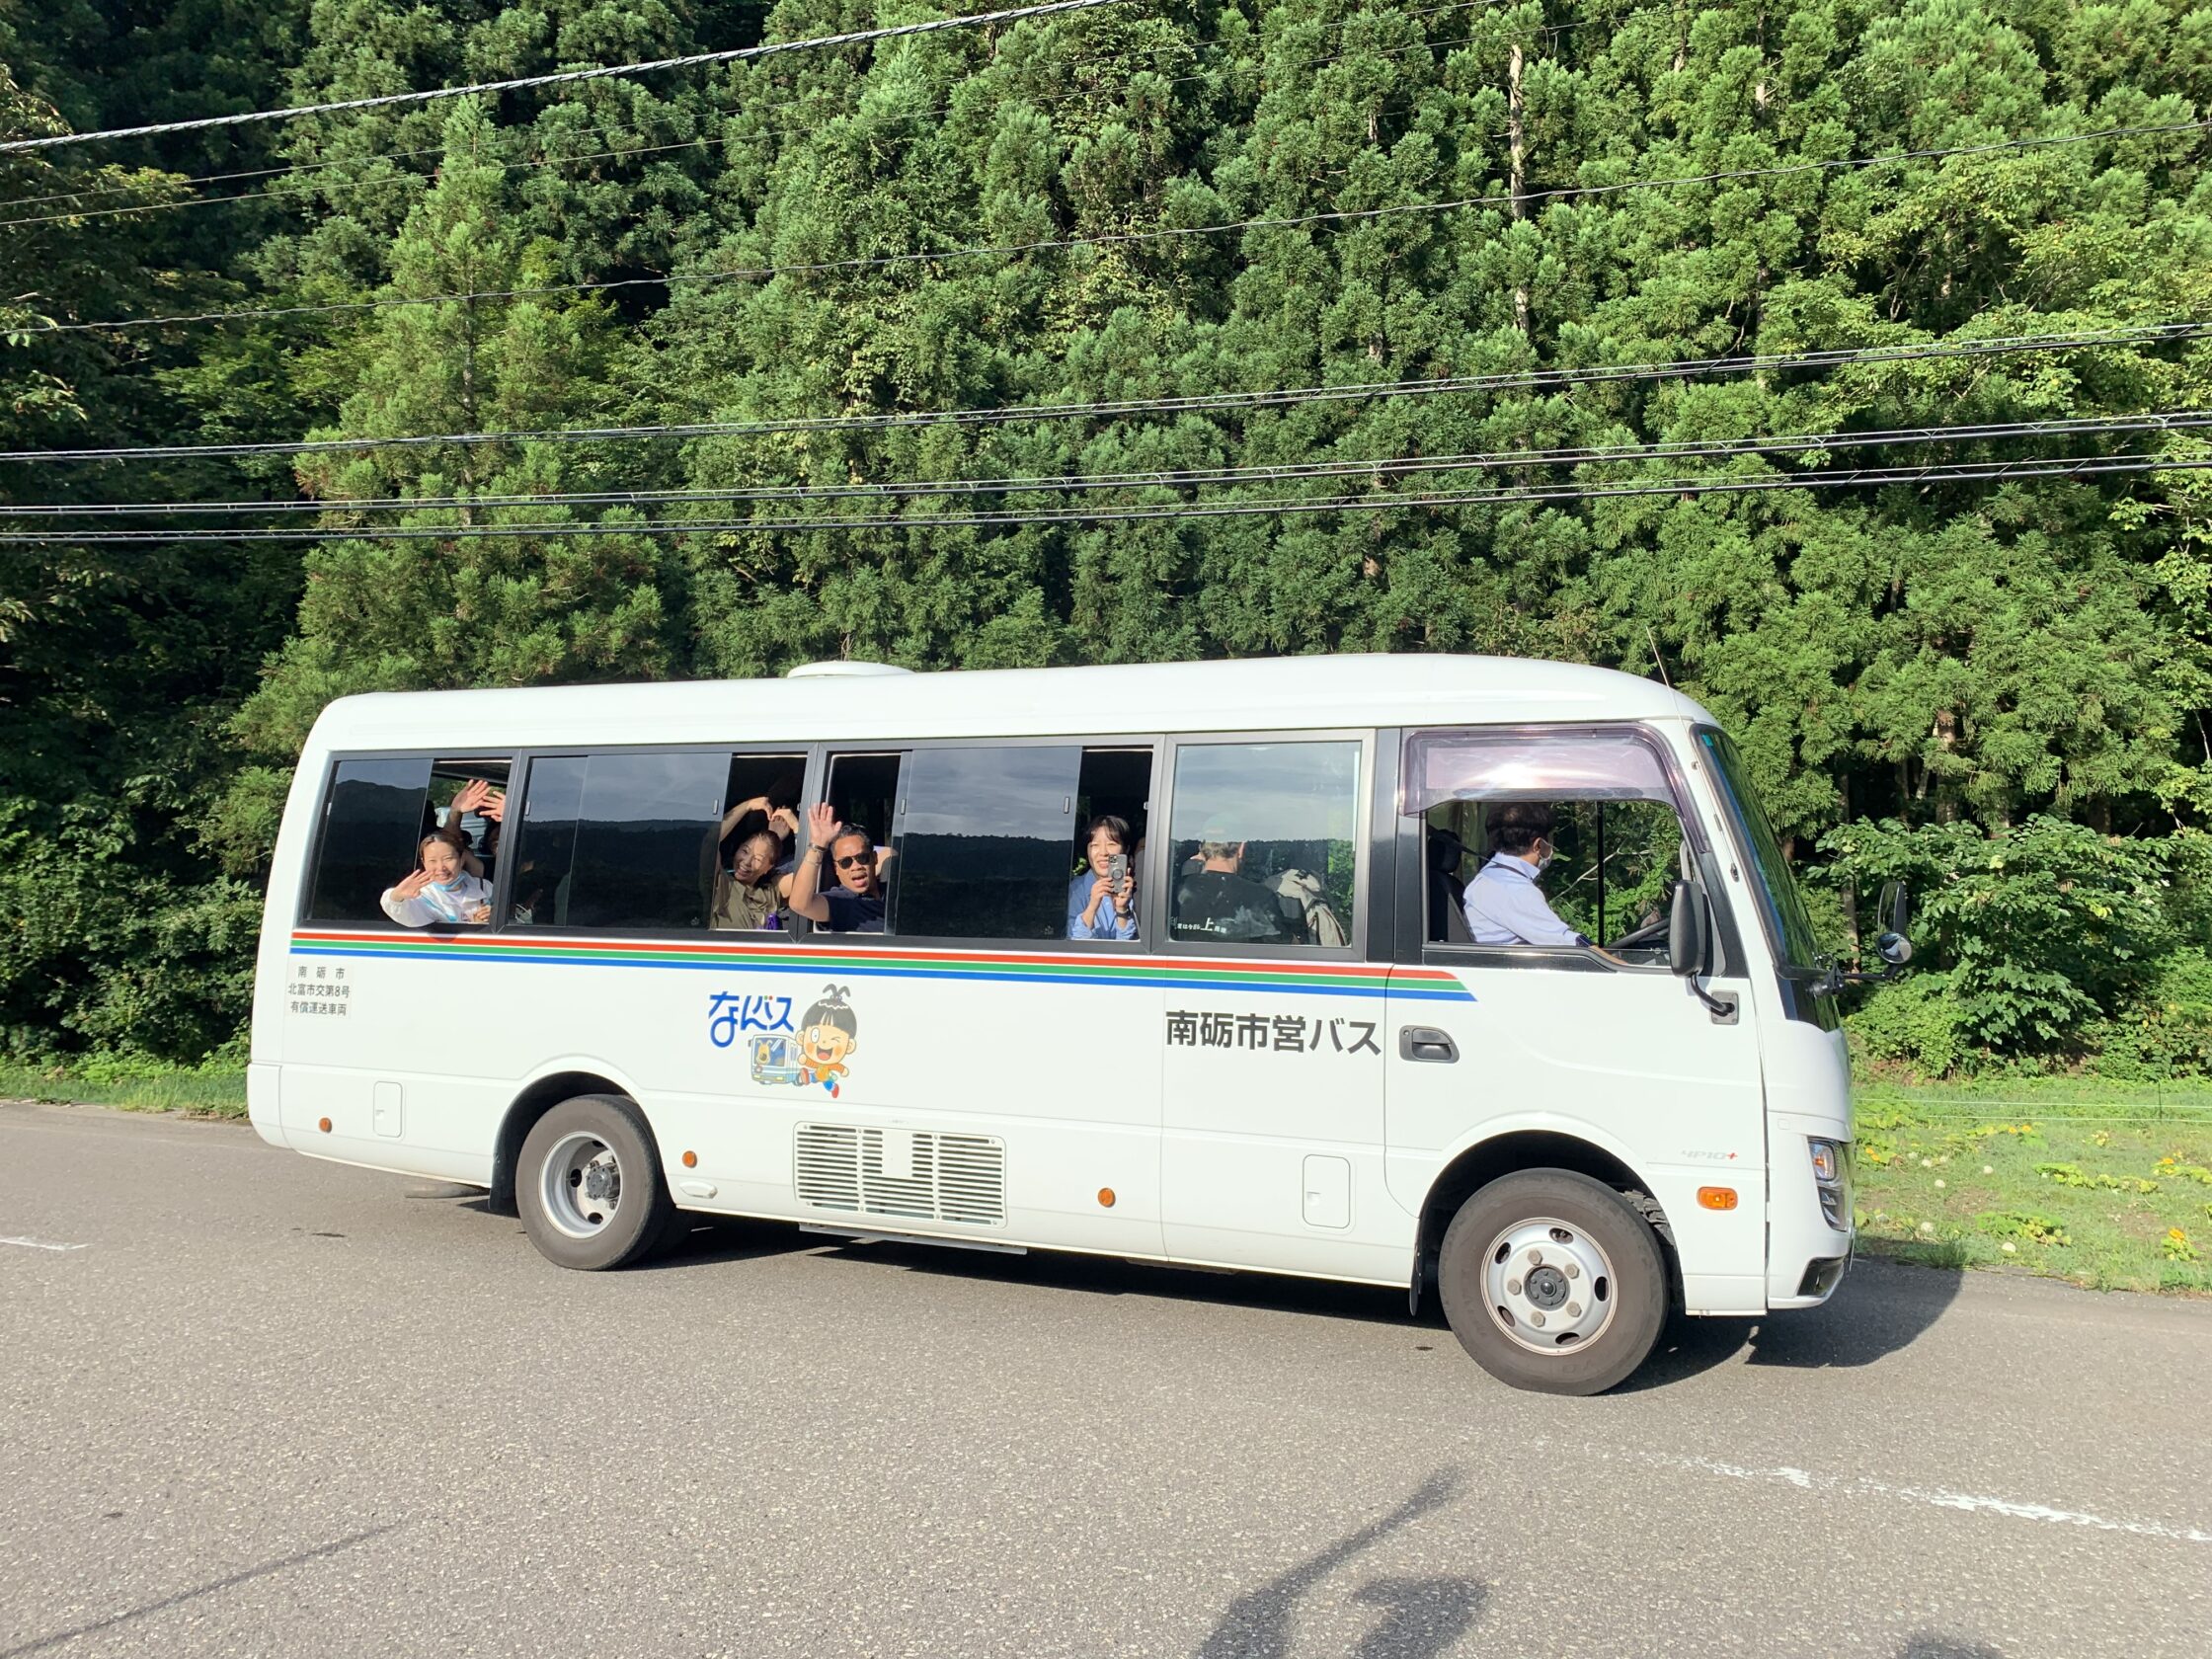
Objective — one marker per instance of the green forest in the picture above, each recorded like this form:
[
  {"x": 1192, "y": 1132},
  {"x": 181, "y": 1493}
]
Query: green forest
[{"x": 1507, "y": 235}]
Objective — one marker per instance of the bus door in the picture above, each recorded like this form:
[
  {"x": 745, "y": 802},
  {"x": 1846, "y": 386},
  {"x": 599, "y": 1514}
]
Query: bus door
[
  {"x": 1599, "y": 1041},
  {"x": 1272, "y": 1033}
]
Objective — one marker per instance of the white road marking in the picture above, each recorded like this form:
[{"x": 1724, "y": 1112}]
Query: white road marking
[
  {"x": 1859, "y": 1487},
  {"x": 42, "y": 1244}
]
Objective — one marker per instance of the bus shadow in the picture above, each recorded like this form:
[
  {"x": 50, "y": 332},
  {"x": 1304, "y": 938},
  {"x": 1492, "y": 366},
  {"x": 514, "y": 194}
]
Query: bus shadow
[{"x": 1880, "y": 1309}]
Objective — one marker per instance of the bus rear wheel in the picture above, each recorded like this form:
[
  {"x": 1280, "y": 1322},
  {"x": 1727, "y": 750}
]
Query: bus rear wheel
[
  {"x": 1552, "y": 1282},
  {"x": 589, "y": 1185}
]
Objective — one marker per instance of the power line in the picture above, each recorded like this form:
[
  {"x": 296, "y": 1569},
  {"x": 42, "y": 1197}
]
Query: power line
[
  {"x": 1797, "y": 443},
  {"x": 559, "y": 77},
  {"x": 2074, "y": 466},
  {"x": 636, "y": 151},
  {"x": 2146, "y": 335},
  {"x": 1113, "y": 238}
]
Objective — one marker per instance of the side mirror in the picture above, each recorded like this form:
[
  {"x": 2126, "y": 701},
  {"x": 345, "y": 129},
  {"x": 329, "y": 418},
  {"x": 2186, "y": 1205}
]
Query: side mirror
[
  {"x": 1894, "y": 908},
  {"x": 1687, "y": 938}
]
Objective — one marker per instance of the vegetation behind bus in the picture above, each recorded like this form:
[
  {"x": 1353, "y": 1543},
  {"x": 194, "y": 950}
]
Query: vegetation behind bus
[{"x": 1993, "y": 690}]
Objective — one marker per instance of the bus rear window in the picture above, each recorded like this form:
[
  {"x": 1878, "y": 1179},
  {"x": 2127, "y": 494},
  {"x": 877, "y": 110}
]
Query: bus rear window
[
  {"x": 371, "y": 823},
  {"x": 376, "y": 815}
]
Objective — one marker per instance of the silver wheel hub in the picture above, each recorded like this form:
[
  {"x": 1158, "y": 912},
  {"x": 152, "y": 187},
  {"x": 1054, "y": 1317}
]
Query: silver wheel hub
[
  {"x": 581, "y": 1185},
  {"x": 1550, "y": 1285}
]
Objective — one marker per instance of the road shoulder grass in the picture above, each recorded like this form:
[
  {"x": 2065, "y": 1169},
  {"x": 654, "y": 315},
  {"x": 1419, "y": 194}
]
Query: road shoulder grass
[
  {"x": 212, "y": 1093},
  {"x": 2102, "y": 1184}
]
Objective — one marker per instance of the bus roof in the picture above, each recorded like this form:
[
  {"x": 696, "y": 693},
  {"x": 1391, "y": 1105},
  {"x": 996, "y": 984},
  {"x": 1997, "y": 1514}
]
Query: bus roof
[{"x": 1254, "y": 694}]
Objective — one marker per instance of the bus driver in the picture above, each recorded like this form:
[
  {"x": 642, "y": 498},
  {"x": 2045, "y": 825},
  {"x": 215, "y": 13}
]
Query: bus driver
[{"x": 1503, "y": 904}]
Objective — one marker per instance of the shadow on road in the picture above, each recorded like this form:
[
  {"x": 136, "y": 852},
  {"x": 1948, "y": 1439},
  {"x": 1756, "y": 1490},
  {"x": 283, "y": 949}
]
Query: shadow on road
[
  {"x": 1880, "y": 1309},
  {"x": 300, "y": 1558},
  {"x": 733, "y": 1240},
  {"x": 1424, "y": 1616}
]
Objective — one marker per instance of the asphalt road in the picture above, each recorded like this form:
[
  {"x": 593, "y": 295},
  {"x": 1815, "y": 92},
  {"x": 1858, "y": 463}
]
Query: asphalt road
[{"x": 262, "y": 1405}]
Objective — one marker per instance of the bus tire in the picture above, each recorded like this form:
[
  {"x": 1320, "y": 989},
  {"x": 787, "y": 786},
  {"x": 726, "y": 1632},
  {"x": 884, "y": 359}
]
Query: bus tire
[
  {"x": 1552, "y": 1282},
  {"x": 589, "y": 1185}
]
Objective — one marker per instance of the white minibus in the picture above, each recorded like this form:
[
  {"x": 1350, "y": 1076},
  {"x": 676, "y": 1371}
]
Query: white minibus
[{"x": 1479, "y": 977}]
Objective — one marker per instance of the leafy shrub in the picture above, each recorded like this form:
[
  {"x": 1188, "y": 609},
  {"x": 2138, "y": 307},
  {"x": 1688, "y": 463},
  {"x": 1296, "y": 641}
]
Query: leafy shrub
[
  {"x": 2165, "y": 1029},
  {"x": 2035, "y": 932},
  {"x": 107, "y": 957},
  {"x": 1912, "y": 1021}
]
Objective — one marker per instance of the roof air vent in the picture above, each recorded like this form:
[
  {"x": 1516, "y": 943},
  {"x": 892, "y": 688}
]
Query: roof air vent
[{"x": 845, "y": 671}]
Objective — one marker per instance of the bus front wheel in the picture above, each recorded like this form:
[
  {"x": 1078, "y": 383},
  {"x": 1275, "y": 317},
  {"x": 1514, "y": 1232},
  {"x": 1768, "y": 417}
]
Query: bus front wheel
[
  {"x": 589, "y": 1185},
  {"x": 1552, "y": 1282}
]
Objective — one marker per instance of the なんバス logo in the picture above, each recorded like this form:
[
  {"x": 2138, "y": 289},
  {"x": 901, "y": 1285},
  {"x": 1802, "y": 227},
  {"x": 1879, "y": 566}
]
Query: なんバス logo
[{"x": 812, "y": 1052}]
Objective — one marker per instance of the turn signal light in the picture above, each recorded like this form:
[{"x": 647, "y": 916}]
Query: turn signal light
[
  {"x": 1106, "y": 1197},
  {"x": 690, "y": 1160},
  {"x": 323, "y": 1124},
  {"x": 1718, "y": 1197}
]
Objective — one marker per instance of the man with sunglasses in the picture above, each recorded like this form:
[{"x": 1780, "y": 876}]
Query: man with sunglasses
[{"x": 855, "y": 903}]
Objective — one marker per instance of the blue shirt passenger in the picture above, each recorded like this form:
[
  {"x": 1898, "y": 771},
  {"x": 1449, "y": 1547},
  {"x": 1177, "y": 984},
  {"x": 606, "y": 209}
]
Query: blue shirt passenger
[
  {"x": 1108, "y": 923},
  {"x": 1505, "y": 906}
]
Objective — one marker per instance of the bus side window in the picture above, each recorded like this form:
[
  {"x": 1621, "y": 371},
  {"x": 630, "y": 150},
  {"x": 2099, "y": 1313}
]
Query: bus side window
[
  {"x": 1614, "y": 840},
  {"x": 1263, "y": 843},
  {"x": 982, "y": 843},
  {"x": 373, "y": 822},
  {"x": 612, "y": 840}
]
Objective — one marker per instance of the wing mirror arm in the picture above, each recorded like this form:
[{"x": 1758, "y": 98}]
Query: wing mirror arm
[
  {"x": 1894, "y": 908},
  {"x": 1690, "y": 942}
]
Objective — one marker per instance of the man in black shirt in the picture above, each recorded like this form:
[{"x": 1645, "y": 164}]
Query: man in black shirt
[
  {"x": 854, "y": 903},
  {"x": 1217, "y": 901}
]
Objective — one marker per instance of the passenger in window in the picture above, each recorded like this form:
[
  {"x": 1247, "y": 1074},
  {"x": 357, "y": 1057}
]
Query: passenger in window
[
  {"x": 854, "y": 904},
  {"x": 440, "y": 890},
  {"x": 749, "y": 895},
  {"x": 1102, "y": 899},
  {"x": 488, "y": 802},
  {"x": 1217, "y": 900},
  {"x": 1504, "y": 905}
]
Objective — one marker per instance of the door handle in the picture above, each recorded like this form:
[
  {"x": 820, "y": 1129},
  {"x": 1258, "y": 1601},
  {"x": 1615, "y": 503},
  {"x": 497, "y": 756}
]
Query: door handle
[{"x": 1425, "y": 1042}]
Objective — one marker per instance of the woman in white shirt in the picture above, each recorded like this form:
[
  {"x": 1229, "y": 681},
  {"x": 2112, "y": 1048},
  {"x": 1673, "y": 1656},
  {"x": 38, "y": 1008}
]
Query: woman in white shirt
[{"x": 441, "y": 890}]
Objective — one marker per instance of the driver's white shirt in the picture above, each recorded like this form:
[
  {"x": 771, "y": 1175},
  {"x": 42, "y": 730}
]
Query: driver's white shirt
[{"x": 1505, "y": 906}]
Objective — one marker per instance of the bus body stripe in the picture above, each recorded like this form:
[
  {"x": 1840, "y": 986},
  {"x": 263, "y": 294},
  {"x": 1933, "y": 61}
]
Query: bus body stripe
[{"x": 1148, "y": 973}]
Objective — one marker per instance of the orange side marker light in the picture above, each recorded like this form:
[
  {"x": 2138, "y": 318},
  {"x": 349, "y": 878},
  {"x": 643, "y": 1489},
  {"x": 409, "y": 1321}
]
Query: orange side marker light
[
  {"x": 323, "y": 1124},
  {"x": 690, "y": 1160},
  {"x": 1106, "y": 1197},
  {"x": 1718, "y": 1197}
]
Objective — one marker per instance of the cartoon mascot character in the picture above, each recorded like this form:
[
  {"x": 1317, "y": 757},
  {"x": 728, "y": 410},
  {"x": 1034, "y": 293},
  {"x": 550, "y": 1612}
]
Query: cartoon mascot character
[{"x": 828, "y": 1035}]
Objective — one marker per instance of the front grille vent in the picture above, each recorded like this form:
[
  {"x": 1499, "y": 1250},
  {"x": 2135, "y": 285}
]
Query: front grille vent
[{"x": 914, "y": 1175}]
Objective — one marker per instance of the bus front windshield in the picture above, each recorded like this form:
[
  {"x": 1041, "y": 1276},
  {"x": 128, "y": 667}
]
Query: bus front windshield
[{"x": 1788, "y": 924}]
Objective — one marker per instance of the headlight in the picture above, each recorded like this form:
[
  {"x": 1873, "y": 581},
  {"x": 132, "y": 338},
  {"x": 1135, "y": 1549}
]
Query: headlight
[{"x": 1830, "y": 1183}]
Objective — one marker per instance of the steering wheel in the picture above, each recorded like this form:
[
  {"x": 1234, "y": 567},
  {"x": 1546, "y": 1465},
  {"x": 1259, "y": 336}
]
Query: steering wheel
[{"x": 1651, "y": 933}]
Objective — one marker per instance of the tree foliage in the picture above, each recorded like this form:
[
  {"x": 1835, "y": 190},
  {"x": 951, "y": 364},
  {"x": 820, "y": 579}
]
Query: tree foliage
[{"x": 2015, "y": 668}]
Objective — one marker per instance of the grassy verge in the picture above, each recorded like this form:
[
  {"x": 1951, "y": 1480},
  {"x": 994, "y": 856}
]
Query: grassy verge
[
  {"x": 209, "y": 1094},
  {"x": 2105, "y": 1184}
]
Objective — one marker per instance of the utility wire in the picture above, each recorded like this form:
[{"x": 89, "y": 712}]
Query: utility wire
[
  {"x": 1535, "y": 379},
  {"x": 1797, "y": 443},
  {"x": 1115, "y": 239},
  {"x": 2074, "y": 466},
  {"x": 560, "y": 77},
  {"x": 635, "y": 151}
]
